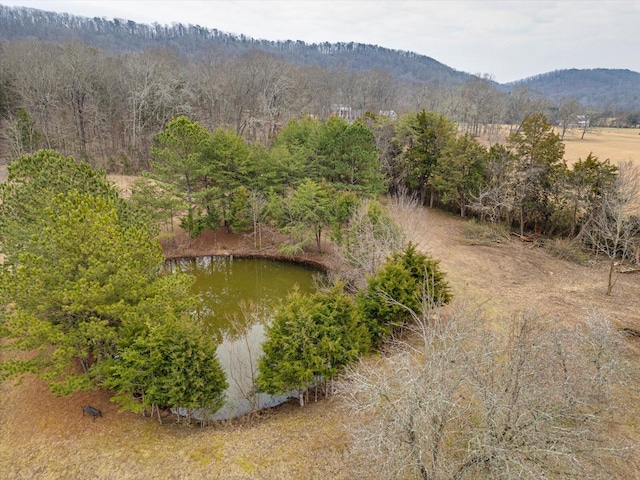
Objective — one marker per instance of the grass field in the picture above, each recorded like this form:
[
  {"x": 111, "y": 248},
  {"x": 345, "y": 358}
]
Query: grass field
[{"x": 616, "y": 144}]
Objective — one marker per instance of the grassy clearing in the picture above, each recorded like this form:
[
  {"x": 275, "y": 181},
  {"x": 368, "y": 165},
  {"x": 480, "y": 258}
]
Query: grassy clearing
[{"x": 616, "y": 144}]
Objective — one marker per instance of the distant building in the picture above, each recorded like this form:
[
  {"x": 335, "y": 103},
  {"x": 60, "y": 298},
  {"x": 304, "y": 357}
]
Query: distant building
[
  {"x": 345, "y": 112},
  {"x": 583, "y": 121},
  {"x": 351, "y": 114},
  {"x": 389, "y": 114}
]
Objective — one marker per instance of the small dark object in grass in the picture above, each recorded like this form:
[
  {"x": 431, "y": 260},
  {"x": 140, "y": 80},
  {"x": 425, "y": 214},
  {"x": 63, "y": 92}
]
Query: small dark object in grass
[{"x": 91, "y": 411}]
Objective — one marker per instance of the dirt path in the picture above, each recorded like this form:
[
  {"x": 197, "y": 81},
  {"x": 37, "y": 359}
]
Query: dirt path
[{"x": 517, "y": 276}]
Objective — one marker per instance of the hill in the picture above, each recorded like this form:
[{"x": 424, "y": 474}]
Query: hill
[
  {"x": 600, "y": 88},
  {"x": 118, "y": 35}
]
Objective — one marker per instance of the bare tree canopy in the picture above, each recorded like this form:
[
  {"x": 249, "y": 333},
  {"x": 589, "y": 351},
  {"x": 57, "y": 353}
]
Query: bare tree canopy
[{"x": 455, "y": 400}]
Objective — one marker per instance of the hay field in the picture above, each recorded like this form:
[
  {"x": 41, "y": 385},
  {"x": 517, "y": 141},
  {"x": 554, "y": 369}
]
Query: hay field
[{"x": 616, "y": 144}]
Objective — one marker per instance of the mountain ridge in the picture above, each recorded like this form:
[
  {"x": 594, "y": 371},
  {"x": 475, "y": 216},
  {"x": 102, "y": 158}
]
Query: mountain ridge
[{"x": 596, "y": 88}]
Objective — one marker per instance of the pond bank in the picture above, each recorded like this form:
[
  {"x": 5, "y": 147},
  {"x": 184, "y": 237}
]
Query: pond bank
[{"x": 222, "y": 243}]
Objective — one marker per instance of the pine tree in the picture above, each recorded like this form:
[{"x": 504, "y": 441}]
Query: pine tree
[{"x": 312, "y": 338}]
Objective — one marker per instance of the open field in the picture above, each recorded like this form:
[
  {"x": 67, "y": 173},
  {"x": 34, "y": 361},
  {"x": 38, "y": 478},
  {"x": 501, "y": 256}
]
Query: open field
[
  {"x": 616, "y": 144},
  {"x": 45, "y": 437}
]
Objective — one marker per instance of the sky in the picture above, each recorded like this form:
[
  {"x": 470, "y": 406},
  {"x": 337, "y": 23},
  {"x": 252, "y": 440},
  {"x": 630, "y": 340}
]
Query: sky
[{"x": 508, "y": 39}]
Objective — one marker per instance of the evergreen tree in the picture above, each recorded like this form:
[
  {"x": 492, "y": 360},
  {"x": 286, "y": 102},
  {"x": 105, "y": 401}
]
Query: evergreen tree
[
  {"x": 240, "y": 211},
  {"x": 588, "y": 179},
  {"x": 299, "y": 139},
  {"x": 312, "y": 338},
  {"x": 459, "y": 173},
  {"x": 310, "y": 209},
  {"x": 226, "y": 167},
  {"x": 169, "y": 364},
  {"x": 349, "y": 158},
  {"x": 177, "y": 154},
  {"x": 422, "y": 137},
  {"x": 406, "y": 280},
  {"x": 540, "y": 169},
  {"x": 178, "y": 164},
  {"x": 33, "y": 181},
  {"x": 75, "y": 282}
]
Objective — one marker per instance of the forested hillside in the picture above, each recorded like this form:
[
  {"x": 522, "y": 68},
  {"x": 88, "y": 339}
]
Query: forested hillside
[
  {"x": 599, "y": 88},
  {"x": 118, "y": 35}
]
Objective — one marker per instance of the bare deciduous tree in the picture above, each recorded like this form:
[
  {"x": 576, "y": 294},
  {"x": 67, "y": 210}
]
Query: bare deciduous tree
[
  {"x": 455, "y": 400},
  {"x": 371, "y": 236},
  {"x": 614, "y": 228}
]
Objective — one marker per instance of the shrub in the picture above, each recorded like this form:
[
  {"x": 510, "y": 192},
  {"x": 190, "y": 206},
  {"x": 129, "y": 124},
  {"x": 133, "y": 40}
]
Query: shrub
[{"x": 407, "y": 279}]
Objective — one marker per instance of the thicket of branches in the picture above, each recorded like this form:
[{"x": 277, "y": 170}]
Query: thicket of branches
[
  {"x": 106, "y": 106},
  {"x": 453, "y": 399}
]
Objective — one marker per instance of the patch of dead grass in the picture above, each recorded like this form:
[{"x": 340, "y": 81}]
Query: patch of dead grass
[{"x": 488, "y": 234}]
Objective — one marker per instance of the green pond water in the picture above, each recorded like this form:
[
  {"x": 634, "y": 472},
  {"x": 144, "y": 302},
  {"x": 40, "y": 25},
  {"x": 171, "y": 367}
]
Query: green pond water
[
  {"x": 226, "y": 284},
  {"x": 237, "y": 295}
]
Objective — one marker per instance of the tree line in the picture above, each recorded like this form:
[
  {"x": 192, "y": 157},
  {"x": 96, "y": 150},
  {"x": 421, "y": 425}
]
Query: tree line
[
  {"x": 307, "y": 180},
  {"x": 105, "y": 107}
]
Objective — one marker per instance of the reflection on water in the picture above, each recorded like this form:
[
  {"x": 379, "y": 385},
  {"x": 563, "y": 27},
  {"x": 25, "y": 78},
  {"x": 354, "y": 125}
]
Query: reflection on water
[{"x": 237, "y": 298}]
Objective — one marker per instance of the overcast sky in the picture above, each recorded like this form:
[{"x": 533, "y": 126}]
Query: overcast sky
[{"x": 509, "y": 39}]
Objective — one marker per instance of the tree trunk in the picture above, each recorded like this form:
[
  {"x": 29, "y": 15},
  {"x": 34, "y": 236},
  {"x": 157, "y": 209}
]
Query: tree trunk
[
  {"x": 610, "y": 279},
  {"x": 318, "y": 238}
]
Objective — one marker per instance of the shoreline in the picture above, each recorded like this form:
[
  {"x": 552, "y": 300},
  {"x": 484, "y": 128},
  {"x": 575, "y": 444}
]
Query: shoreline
[{"x": 223, "y": 244}]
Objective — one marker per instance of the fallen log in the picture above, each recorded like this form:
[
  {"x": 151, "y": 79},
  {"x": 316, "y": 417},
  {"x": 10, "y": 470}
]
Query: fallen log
[
  {"x": 523, "y": 238},
  {"x": 628, "y": 269}
]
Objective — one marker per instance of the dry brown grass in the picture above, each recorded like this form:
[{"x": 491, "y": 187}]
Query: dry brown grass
[
  {"x": 616, "y": 144},
  {"x": 45, "y": 437},
  {"x": 122, "y": 182}
]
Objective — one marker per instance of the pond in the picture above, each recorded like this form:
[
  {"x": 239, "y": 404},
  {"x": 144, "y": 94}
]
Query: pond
[{"x": 237, "y": 297}]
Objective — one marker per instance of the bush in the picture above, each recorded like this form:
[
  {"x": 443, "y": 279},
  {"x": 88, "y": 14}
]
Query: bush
[
  {"x": 312, "y": 339},
  {"x": 194, "y": 224},
  {"x": 407, "y": 279},
  {"x": 461, "y": 401}
]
